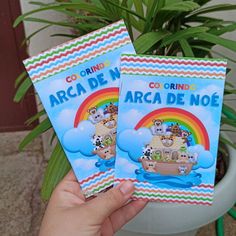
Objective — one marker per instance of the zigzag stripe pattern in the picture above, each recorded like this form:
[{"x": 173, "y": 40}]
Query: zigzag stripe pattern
[
  {"x": 97, "y": 182},
  {"x": 169, "y": 66},
  {"x": 74, "y": 42},
  {"x": 174, "y": 201},
  {"x": 202, "y": 194},
  {"x": 77, "y": 51},
  {"x": 174, "y": 67},
  {"x": 77, "y": 61},
  {"x": 173, "y": 60}
]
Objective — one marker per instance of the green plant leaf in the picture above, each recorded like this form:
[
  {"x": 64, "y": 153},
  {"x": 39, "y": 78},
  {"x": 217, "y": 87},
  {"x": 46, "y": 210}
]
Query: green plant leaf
[
  {"x": 27, "y": 39},
  {"x": 213, "y": 51},
  {"x": 57, "y": 168},
  {"x": 186, "y": 48},
  {"x": 229, "y": 112},
  {"x": 61, "y": 6},
  {"x": 146, "y": 41},
  {"x": 35, "y": 117},
  {"x": 183, "y": 34},
  {"x": 139, "y": 7},
  {"x": 224, "y": 29},
  {"x": 126, "y": 9},
  {"x": 39, "y": 129},
  {"x": 20, "y": 78},
  {"x": 83, "y": 26},
  {"x": 227, "y": 43},
  {"x": 214, "y": 8},
  {"x": 184, "y": 6},
  {"x": 22, "y": 89},
  {"x": 227, "y": 142}
]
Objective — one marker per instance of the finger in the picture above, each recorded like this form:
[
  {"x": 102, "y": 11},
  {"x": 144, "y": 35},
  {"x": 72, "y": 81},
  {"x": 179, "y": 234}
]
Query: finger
[
  {"x": 106, "y": 203},
  {"x": 70, "y": 176},
  {"x": 126, "y": 213},
  {"x": 70, "y": 184}
]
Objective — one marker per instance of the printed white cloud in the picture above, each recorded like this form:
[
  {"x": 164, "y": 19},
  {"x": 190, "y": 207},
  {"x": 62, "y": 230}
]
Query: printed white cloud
[
  {"x": 84, "y": 164},
  {"x": 209, "y": 90},
  {"x": 65, "y": 118},
  {"x": 125, "y": 166},
  {"x": 56, "y": 85},
  {"x": 138, "y": 85},
  {"x": 131, "y": 117}
]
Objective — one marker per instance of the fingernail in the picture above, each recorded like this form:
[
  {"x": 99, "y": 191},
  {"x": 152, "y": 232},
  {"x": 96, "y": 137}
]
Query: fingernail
[{"x": 126, "y": 187}]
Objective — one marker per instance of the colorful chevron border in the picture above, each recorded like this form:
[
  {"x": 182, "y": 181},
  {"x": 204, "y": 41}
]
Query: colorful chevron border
[
  {"x": 173, "y": 66},
  {"x": 77, "y": 51},
  {"x": 97, "y": 182},
  {"x": 197, "y": 195}
]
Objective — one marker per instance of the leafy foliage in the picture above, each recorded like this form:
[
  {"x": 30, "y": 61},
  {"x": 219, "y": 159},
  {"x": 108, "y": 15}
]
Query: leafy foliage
[{"x": 164, "y": 27}]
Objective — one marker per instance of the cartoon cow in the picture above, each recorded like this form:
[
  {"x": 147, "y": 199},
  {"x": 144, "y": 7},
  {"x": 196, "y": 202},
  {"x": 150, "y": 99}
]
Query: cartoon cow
[
  {"x": 158, "y": 127},
  {"x": 97, "y": 142},
  {"x": 147, "y": 153},
  {"x": 182, "y": 170}
]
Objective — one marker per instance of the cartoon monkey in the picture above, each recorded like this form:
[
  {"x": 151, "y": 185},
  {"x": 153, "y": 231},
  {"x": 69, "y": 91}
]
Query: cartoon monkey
[
  {"x": 95, "y": 116},
  {"x": 111, "y": 109},
  {"x": 158, "y": 127},
  {"x": 175, "y": 129},
  {"x": 185, "y": 134}
]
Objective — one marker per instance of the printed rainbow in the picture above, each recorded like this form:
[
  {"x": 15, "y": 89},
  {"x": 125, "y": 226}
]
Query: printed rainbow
[
  {"x": 96, "y": 99},
  {"x": 185, "y": 118}
]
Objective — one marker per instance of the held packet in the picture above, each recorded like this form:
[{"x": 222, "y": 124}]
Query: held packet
[
  {"x": 168, "y": 127},
  {"x": 77, "y": 83}
]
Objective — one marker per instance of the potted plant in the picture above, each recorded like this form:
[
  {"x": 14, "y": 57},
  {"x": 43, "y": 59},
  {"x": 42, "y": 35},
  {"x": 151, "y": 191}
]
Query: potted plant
[{"x": 163, "y": 27}]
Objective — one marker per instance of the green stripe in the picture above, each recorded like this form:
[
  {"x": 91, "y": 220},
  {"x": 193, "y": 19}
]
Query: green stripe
[
  {"x": 167, "y": 196},
  {"x": 186, "y": 76},
  {"x": 171, "y": 57},
  {"x": 102, "y": 187},
  {"x": 69, "y": 67},
  {"x": 33, "y": 59}
]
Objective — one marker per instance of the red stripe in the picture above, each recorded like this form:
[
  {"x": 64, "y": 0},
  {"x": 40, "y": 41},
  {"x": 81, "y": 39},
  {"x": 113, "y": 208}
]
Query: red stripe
[
  {"x": 173, "y": 192},
  {"x": 46, "y": 61},
  {"x": 79, "y": 59},
  {"x": 173, "y": 201},
  {"x": 172, "y": 72},
  {"x": 91, "y": 178},
  {"x": 168, "y": 61},
  {"x": 180, "y": 111},
  {"x": 96, "y": 94}
]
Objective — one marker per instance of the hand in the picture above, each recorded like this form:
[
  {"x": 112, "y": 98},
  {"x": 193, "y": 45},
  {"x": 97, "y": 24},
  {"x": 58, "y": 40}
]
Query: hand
[{"x": 70, "y": 214}]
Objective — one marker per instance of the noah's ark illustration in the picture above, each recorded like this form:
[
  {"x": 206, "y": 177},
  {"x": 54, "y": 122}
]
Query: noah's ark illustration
[{"x": 167, "y": 154}]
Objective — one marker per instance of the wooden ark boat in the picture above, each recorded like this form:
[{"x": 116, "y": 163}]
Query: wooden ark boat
[
  {"x": 167, "y": 168},
  {"x": 107, "y": 152}
]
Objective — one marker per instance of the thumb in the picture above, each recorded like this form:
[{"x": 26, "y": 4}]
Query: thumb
[{"x": 106, "y": 203}]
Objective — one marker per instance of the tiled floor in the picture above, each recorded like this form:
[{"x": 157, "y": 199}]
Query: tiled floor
[{"x": 21, "y": 173}]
